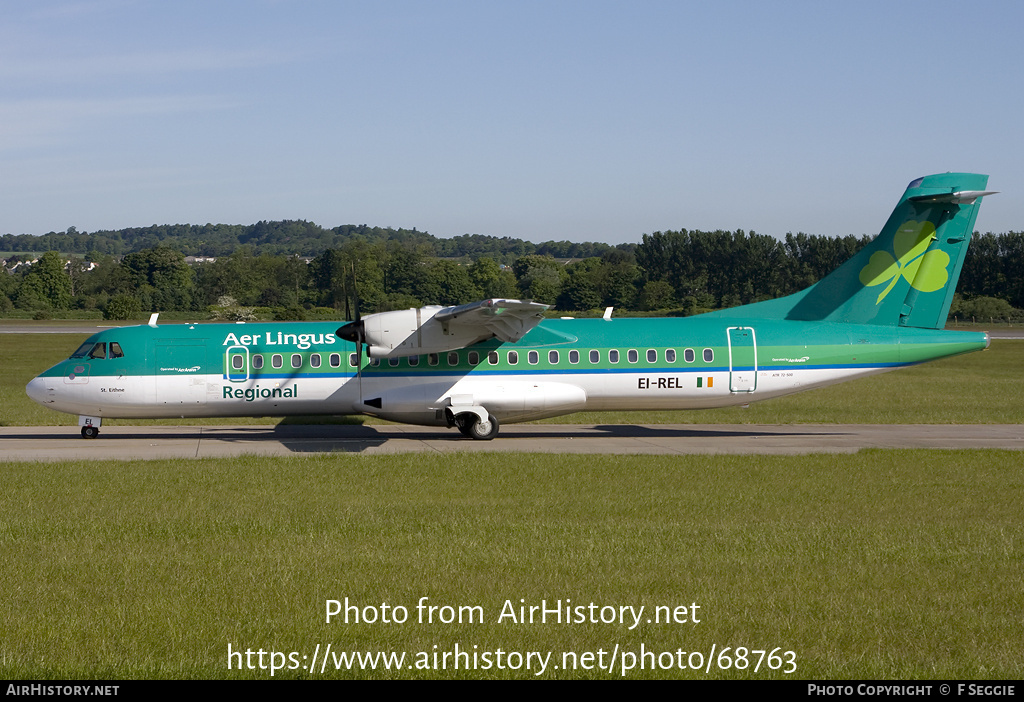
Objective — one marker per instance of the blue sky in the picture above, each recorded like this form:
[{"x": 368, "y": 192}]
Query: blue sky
[{"x": 580, "y": 120}]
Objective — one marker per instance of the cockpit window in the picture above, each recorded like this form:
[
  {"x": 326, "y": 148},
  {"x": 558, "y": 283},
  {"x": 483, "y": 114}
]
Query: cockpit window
[
  {"x": 94, "y": 350},
  {"x": 83, "y": 349}
]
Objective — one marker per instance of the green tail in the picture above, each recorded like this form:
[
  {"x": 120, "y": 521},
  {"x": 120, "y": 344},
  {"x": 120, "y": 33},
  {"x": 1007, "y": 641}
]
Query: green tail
[{"x": 907, "y": 275}]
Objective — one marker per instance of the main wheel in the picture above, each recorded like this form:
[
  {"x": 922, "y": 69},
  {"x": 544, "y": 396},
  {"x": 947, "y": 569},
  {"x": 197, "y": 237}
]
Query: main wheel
[
  {"x": 90, "y": 432},
  {"x": 483, "y": 431}
]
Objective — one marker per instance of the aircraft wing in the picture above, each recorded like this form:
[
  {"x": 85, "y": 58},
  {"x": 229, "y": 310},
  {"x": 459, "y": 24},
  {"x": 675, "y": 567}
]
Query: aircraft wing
[
  {"x": 437, "y": 329},
  {"x": 508, "y": 320}
]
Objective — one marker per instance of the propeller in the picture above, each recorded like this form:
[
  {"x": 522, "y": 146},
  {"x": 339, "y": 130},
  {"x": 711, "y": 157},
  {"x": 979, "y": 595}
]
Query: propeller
[{"x": 354, "y": 331}]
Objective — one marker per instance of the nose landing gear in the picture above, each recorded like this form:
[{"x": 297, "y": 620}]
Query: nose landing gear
[{"x": 90, "y": 426}]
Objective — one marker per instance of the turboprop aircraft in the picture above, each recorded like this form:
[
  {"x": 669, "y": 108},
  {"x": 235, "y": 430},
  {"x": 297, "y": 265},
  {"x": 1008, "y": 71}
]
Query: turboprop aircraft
[{"x": 499, "y": 361}]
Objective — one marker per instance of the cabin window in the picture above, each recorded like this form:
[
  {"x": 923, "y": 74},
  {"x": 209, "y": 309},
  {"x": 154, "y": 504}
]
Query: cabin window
[
  {"x": 414, "y": 360},
  {"x": 670, "y": 355},
  {"x": 595, "y": 356},
  {"x": 613, "y": 356},
  {"x": 513, "y": 358},
  {"x": 474, "y": 358},
  {"x": 552, "y": 357},
  {"x": 632, "y": 356},
  {"x": 115, "y": 350},
  {"x": 688, "y": 355},
  {"x": 709, "y": 355},
  {"x": 296, "y": 360},
  {"x": 374, "y": 362},
  {"x": 492, "y": 358},
  {"x": 277, "y": 360},
  {"x": 238, "y": 361},
  {"x": 652, "y": 356},
  {"x": 433, "y": 359},
  {"x": 453, "y": 358},
  {"x": 533, "y": 358},
  {"x": 574, "y": 356},
  {"x": 314, "y": 360},
  {"x": 393, "y": 362},
  {"x": 257, "y": 361}
]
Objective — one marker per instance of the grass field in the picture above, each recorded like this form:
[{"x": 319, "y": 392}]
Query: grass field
[
  {"x": 986, "y": 386},
  {"x": 882, "y": 564},
  {"x": 885, "y": 564}
]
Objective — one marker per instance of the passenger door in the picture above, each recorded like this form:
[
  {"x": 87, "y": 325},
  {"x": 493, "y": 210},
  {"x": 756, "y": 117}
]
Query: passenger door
[{"x": 742, "y": 359}]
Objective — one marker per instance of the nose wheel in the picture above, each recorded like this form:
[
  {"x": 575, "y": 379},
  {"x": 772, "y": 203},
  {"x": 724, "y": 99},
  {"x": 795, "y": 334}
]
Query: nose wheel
[{"x": 90, "y": 432}]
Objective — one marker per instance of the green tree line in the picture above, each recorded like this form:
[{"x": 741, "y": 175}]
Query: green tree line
[
  {"x": 682, "y": 272},
  {"x": 289, "y": 237}
]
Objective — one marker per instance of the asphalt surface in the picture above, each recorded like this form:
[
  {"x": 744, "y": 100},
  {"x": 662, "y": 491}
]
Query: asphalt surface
[{"x": 141, "y": 443}]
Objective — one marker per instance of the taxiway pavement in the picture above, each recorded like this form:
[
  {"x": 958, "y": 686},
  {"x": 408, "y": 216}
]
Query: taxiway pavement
[{"x": 154, "y": 442}]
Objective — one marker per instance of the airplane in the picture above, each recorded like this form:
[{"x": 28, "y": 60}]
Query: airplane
[{"x": 476, "y": 366}]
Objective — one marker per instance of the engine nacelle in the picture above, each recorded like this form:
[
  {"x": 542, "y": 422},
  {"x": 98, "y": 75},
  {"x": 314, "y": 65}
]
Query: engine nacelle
[
  {"x": 437, "y": 329},
  {"x": 415, "y": 331}
]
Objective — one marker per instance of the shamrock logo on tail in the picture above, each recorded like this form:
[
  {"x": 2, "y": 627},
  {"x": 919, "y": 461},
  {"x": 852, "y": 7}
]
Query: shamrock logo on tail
[{"x": 924, "y": 271}]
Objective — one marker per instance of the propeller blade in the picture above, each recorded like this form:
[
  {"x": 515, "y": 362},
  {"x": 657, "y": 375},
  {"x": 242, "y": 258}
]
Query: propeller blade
[
  {"x": 344, "y": 287},
  {"x": 355, "y": 291}
]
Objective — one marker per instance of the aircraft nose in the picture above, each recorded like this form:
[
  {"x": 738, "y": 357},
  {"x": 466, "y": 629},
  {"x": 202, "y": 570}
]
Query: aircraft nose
[{"x": 36, "y": 389}]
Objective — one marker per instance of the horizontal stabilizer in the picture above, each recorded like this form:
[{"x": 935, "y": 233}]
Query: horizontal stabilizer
[{"x": 963, "y": 197}]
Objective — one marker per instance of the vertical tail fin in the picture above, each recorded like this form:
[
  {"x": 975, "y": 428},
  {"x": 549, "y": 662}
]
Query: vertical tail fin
[{"x": 907, "y": 275}]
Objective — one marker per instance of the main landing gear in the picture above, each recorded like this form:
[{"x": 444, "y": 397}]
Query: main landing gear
[{"x": 472, "y": 426}]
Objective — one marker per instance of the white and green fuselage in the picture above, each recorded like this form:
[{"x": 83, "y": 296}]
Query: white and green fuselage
[
  {"x": 294, "y": 368},
  {"x": 884, "y": 309}
]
